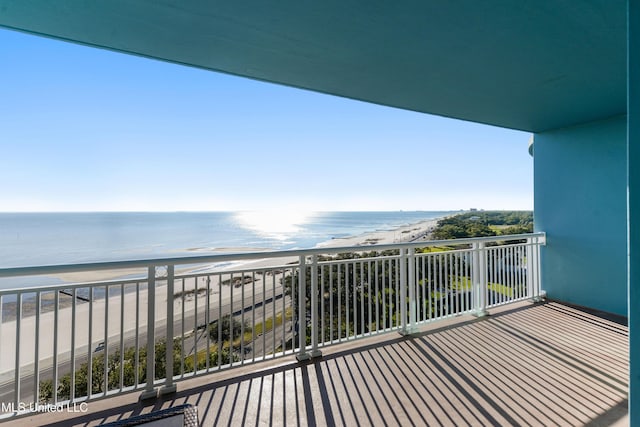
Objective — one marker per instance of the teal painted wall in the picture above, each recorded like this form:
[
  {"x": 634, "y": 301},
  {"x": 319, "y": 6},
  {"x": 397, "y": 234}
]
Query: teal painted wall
[
  {"x": 633, "y": 169},
  {"x": 580, "y": 201}
]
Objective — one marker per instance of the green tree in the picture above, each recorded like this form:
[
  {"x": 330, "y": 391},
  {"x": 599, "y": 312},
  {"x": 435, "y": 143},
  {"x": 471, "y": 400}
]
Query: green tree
[{"x": 227, "y": 327}]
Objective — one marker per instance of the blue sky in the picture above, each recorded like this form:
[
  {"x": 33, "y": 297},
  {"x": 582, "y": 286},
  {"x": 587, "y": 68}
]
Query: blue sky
[{"x": 83, "y": 129}]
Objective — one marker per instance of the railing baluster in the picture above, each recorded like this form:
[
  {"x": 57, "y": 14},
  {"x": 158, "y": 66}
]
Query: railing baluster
[
  {"x": 264, "y": 312},
  {"x": 273, "y": 311},
  {"x": 518, "y": 271},
  {"x": 242, "y": 305},
  {"x": 494, "y": 283},
  {"x": 332, "y": 317},
  {"x": 36, "y": 352},
  {"x": 376, "y": 266},
  {"x": 517, "y": 265},
  {"x": 359, "y": 291},
  {"x": 2, "y": 320},
  {"x": 56, "y": 320},
  {"x": 220, "y": 316},
  {"x": 16, "y": 386},
  {"x": 322, "y": 303},
  {"x": 511, "y": 273},
  {"x": 347, "y": 287},
  {"x": 90, "y": 347},
  {"x": 383, "y": 275},
  {"x": 137, "y": 338},
  {"x": 183, "y": 299},
  {"x": 122, "y": 336},
  {"x": 420, "y": 269},
  {"x": 253, "y": 315},
  {"x": 284, "y": 311},
  {"x": 430, "y": 288},
  {"x": 106, "y": 341},
  {"x": 464, "y": 270},
  {"x": 339, "y": 308},
  {"x": 231, "y": 319},
  {"x": 441, "y": 284},
  {"x": 484, "y": 288},
  {"x": 196, "y": 324},
  {"x": 208, "y": 322},
  {"x": 446, "y": 279},
  {"x": 503, "y": 274},
  {"x": 354, "y": 299},
  {"x": 466, "y": 267},
  {"x": 449, "y": 272},
  {"x": 523, "y": 271},
  {"x": 369, "y": 297},
  {"x": 397, "y": 290},
  {"x": 458, "y": 283},
  {"x": 72, "y": 391}
]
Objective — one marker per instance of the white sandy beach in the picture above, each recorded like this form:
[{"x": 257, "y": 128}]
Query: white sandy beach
[{"x": 408, "y": 233}]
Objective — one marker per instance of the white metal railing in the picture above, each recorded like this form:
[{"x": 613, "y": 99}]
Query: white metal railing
[{"x": 88, "y": 338}]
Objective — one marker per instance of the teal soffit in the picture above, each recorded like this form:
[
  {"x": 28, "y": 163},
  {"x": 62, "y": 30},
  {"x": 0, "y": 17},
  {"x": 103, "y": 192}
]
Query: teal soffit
[{"x": 529, "y": 64}]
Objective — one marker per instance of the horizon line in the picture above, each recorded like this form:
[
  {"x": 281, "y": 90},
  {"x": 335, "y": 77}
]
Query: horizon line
[{"x": 258, "y": 210}]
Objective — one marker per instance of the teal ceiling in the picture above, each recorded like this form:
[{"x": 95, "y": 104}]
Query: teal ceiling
[{"x": 527, "y": 64}]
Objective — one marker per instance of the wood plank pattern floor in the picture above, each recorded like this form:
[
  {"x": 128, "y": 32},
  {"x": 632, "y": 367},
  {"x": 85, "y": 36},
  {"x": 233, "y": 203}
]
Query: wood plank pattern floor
[{"x": 532, "y": 365}]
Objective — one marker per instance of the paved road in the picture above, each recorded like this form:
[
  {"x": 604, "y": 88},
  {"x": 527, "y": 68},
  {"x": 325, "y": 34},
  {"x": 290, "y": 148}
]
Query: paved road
[{"x": 7, "y": 388}]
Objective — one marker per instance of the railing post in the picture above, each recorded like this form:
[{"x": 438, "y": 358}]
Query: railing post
[
  {"x": 150, "y": 392},
  {"x": 404, "y": 330},
  {"x": 314, "y": 307},
  {"x": 411, "y": 284},
  {"x": 169, "y": 386},
  {"x": 478, "y": 279},
  {"x": 533, "y": 269},
  {"x": 302, "y": 309},
  {"x": 540, "y": 241},
  {"x": 530, "y": 273}
]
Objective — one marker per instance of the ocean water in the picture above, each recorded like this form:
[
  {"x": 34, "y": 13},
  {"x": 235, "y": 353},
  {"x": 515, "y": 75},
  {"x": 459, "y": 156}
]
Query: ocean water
[{"x": 28, "y": 239}]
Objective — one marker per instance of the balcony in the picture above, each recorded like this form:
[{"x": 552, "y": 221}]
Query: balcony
[{"x": 247, "y": 340}]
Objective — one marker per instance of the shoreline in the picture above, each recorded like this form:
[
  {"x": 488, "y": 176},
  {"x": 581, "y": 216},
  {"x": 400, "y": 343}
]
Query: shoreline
[
  {"x": 401, "y": 234},
  {"x": 412, "y": 232},
  {"x": 219, "y": 289}
]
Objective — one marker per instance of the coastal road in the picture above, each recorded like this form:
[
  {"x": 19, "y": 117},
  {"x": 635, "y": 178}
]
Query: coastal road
[{"x": 264, "y": 304}]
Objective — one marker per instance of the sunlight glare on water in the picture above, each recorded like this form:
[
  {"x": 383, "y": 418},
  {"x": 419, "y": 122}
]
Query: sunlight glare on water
[{"x": 276, "y": 224}]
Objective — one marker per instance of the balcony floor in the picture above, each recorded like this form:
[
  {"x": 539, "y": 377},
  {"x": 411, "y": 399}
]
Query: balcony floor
[{"x": 544, "y": 364}]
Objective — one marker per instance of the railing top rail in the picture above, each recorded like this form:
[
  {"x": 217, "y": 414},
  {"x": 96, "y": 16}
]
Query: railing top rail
[{"x": 244, "y": 256}]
